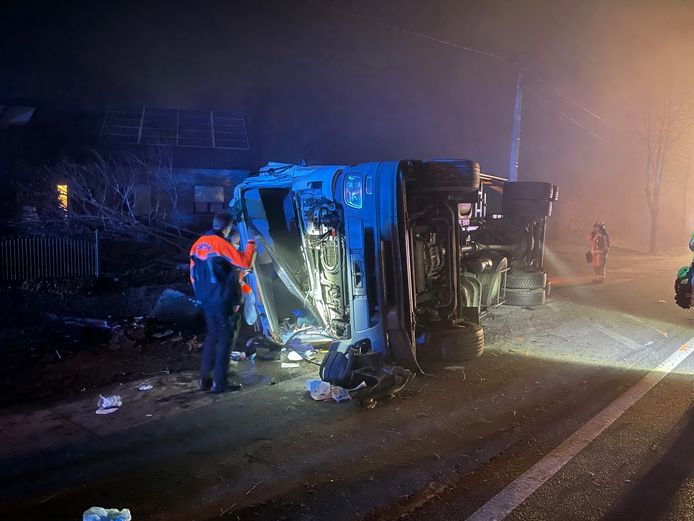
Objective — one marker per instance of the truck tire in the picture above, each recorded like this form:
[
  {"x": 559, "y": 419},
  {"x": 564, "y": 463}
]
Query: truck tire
[
  {"x": 461, "y": 343},
  {"x": 457, "y": 174},
  {"x": 527, "y": 208},
  {"x": 526, "y": 279},
  {"x": 529, "y": 190},
  {"x": 525, "y": 297}
]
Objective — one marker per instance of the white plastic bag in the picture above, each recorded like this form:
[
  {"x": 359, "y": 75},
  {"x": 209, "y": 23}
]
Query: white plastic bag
[
  {"x": 108, "y": 404},
  {"x": 322, "y": 391},
  {"x": 103, "y": 514}
]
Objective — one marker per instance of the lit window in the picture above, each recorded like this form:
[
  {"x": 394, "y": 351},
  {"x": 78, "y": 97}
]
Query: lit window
[
  {"x": 208, "y": 199},
  {"x": 62, "y": 196}
]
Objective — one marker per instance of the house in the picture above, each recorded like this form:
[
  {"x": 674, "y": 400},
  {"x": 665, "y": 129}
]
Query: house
[{"x": 184, "y": 163}]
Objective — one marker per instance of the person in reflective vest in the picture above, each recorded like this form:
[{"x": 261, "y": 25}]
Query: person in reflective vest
[
  {"x": 216, "y": 270},
  {"x": 599, "y": 245}
]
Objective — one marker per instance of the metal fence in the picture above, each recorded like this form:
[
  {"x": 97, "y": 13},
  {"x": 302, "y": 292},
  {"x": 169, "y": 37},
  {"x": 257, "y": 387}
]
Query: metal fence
[{"x": 41, "y": 257}]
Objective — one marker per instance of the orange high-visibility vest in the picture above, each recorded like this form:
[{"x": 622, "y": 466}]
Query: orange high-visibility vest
[{"x": 211, "y": 244}]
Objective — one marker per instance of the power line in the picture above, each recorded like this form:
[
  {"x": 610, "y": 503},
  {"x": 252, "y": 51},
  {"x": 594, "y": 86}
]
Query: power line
[
  {"x": 586, "y": 129},
  {"x": 433, "y": 39},
  {"x": 504, "y": 58}
]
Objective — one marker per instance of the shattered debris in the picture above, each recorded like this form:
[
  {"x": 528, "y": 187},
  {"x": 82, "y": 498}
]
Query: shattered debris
[
  {"x": 163, "y": 334},
  {"x": 237, "y": 356}
]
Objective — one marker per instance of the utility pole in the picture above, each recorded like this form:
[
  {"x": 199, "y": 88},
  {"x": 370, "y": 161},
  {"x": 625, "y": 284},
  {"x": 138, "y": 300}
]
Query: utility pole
[{"x": 516, "y": 132}]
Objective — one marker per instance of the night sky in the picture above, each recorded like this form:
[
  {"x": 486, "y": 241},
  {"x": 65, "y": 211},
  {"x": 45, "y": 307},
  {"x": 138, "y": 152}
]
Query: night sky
[{"x": 347, "y": 81}]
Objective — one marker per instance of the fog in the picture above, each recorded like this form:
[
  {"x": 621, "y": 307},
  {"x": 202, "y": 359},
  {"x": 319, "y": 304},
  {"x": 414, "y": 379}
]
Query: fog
[{"x": 349, "y": 81}]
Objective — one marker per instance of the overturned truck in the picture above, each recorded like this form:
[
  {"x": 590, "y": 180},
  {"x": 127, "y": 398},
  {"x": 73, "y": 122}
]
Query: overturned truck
[{"x": 392, "y": 261}]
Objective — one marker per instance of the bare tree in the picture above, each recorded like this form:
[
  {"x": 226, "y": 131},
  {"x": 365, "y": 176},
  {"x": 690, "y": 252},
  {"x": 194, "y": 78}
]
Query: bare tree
[
  {"x": 103, "y": 194},
  {"x": 662, "y": 124}
]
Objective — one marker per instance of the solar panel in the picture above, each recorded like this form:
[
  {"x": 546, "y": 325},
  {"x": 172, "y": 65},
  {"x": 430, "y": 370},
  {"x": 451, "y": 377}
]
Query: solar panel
[
  {"x": 175, "y": 127},
  {"x": 230, "y": 130},
  {"x": 121, "y": 126},
  {"x": 159, "y": 127},
  {"x": 195, "y": 128}
]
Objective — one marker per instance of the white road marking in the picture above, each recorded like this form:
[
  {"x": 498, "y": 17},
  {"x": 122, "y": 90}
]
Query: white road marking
[{"x": 519, "y": 490}]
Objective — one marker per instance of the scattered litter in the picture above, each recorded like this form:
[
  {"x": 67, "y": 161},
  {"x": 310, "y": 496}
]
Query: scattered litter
[
  {"x": 237, "y": 356},
  {"x": 192, "y": 343},
  {"x": 108, "y": 404},
  {"x": 322, "y": 391},
  {"x": 360, "y": 386},
  {"x": 662, "y": 301},
  {"x": 145, "y": 386},
  {"x": 460, "y": 368},
  {"x": 293, "y": 356},
  {"x": 253, "y": 487},
  {"x": 163, "y": 334},
  {"x": 106, "y": 411},
  {"x": 289, "y": 365},
  {"x": 58, "y": 353},
  {"x": 148, "y": 415},
  {"x": 649, "y": 343},
  {"x": 166, "y": 371},
  {"x": 103, "y": 514}
]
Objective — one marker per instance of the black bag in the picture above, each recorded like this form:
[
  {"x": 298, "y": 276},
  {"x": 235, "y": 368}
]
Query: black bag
[
  {"x": 337, "y": 366},
  {"x": 589, "y": 257}
]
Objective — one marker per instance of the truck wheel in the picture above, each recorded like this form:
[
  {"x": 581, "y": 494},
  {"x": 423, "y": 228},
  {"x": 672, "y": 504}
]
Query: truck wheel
[
  {"x": 527, "y": 207},
  {"x": 461, "y": 343},
  {"x": 458, "y": 174},
  {"x": 526, "y": 279},
  {"x": 525, "y": 297},
  {"x": 530, "y": 190}
]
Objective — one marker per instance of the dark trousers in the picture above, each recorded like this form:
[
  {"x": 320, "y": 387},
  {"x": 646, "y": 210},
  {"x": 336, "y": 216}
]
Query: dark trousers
[{"x": 222, "y": 330}]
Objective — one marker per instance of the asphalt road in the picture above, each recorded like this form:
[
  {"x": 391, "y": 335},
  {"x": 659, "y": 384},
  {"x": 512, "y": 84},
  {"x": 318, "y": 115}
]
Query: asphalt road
[{"x": 468, "y": 439}]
